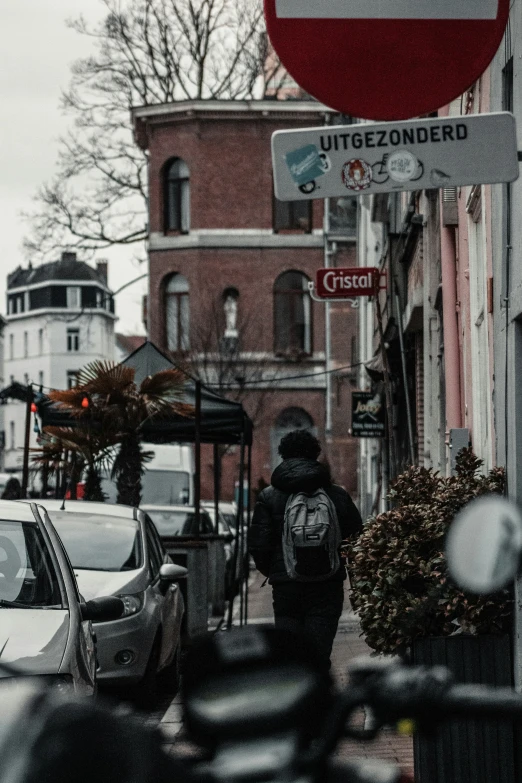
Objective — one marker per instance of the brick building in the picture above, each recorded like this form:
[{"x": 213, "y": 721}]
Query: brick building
[{"x": 229, "y": 271}]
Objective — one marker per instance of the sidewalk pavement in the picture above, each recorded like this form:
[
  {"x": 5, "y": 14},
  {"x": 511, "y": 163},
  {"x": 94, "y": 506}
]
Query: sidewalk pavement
[
  {"x": 388, "y": 746},
  {"x": 348, "y": 645}
]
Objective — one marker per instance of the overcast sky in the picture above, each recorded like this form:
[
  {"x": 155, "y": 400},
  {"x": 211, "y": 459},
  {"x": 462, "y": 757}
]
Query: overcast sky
[{"x": 36, "y": 51}]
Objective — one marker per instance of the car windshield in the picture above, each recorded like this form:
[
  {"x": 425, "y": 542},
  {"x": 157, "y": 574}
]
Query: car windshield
[
  {"x": 99, "y": 543},
  {"x": 27, "y": 574},
  {"x": 179, "y": 523}
]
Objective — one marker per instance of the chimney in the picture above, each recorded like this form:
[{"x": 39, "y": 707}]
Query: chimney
[
  {"x": 67, "y": 255},
  {"x": 103, "y": 270}
]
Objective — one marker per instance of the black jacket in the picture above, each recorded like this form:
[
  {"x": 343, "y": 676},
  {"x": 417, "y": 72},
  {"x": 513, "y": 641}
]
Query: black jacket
[{"x": 266, "y": 531}]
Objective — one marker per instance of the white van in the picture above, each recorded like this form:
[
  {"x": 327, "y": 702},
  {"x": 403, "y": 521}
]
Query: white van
[{"x": 168, "y": 479}]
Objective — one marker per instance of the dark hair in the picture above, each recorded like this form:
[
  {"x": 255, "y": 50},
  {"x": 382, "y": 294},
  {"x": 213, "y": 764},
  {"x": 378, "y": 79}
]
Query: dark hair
[
  {"x": 299, "y": 444},
  {"x": 12, "y": 490}
]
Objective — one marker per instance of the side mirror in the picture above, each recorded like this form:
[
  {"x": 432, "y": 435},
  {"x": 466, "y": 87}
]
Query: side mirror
[
  {"x": 484, "y": 545},
  {"x": 102, "y": 610},
  {"x": 171, "y": 572}
]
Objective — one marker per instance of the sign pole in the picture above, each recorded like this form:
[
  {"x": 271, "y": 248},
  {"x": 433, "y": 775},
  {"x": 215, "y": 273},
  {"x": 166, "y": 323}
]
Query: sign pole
[
  {"x": 404, "y": 377},
  {"x": 387, "y": 391}
]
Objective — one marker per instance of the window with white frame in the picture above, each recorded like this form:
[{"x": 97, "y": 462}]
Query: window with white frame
[
  {"x": 74, "y": 297},
  {"x": 12, "y": 444},
  {"x": 176, "y": 196},
  {"x": 11, "y": 346},
  {"x": 177, "y": 314},
  {"x": 292, "y": 314},
  {"x": 73, "y": 340},
  {"x": 40, "y": 342},
  {"x": 26, "y": 345},
  {"x": 72, "y": 378}
]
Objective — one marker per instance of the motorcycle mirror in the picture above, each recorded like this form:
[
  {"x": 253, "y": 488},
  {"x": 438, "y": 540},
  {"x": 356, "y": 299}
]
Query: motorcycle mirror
[{"x": 484, "y": 545}]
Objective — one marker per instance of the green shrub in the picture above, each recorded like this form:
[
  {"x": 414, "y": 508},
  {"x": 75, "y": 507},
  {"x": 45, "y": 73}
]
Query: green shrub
[{"x": 400, "y": 587}]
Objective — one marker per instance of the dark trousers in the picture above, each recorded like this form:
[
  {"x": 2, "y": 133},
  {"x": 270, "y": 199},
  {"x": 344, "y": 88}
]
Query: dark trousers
[{"x": 313, "y": 608}]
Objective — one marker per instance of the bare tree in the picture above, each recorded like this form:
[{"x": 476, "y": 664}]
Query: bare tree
[{"x": 145, "y": 52}]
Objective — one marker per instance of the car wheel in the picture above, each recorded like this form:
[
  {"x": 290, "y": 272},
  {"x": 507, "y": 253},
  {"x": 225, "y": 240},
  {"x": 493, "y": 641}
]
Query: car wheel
[
  {"x": 146, "y": 692},
  {"x": 171, "y": 675}
]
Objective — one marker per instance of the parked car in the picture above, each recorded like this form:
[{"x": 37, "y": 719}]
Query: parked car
[
  {"x": 229, "y": 511},
  {"x": 223, "y": 529},
  {"x": 117, "y": 550},
  {"x": 228, "y": 526},
  {"x": 45, "y": 627},
  {"x": 178, "y": 520}
]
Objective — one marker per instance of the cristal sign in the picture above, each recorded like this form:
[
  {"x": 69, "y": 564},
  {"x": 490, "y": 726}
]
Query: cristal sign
[{"x": 347, "y": 282}]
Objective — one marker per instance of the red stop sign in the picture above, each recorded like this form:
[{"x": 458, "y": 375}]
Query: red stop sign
[{"x": 388, "y": 60}]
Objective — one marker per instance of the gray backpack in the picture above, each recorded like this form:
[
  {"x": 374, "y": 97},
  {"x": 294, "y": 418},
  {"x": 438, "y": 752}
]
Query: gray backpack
[{"x": 311, "y": 537}]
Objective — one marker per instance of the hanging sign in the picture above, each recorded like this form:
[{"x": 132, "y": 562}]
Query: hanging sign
[
  {"x": 347, "y": 282},
  {"x": 368, "y": 415},
  {"x": 386, "y": 59},
  {"x": 366, "y": 158}
]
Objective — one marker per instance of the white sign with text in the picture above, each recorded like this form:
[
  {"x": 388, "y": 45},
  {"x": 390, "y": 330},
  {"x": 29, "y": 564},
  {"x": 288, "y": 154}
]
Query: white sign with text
[
  {"x": 366, "y": 158},
  {"x": 387, "y": 9}
]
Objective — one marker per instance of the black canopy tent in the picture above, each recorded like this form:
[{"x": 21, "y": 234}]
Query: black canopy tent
[
  {"x": 220, "y": 421},
  {"x": 216, "y": 420}
]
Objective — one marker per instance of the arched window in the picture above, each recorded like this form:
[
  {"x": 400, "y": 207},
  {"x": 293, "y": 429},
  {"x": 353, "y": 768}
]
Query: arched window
[
  {"x": 177, "y": 196},
  {"x": 177, "y": 314},
  {"x": 292, "y": 314},
  {"x": 288, "y": 420}
]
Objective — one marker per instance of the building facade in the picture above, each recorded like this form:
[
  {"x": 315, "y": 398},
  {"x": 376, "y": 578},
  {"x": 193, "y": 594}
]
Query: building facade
[
  {"x": 437, "y": 309},
  {"x": 229, "y": 273},
  {"x": 60, "y": 316}
]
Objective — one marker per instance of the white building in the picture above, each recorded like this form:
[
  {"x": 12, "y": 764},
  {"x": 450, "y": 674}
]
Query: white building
[
  {"x": 60, "y": 317},
  {"x": 2, "y": 425}
]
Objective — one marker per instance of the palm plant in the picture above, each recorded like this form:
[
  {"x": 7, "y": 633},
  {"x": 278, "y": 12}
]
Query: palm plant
[
  {"x": 117, "y": 410},
  {"x": 91, "y": 452},
  {"x": 49, "y": 460}
]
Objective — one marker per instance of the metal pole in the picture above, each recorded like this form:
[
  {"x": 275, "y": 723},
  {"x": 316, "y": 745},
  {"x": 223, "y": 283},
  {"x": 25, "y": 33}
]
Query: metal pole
[
  {"x": 246, "y": 556},
  {"x": 327, "y": 325},
  {"x": 217, "y": 486},
  {"x": 387, "y": 391},
  {"x": 197, "y": 469},
  {"x": 241, "y": 514},
  {"x": 239, "y": 527},
  {"x": 405, "y": 380},
  {"x": 25, "y": 469}
]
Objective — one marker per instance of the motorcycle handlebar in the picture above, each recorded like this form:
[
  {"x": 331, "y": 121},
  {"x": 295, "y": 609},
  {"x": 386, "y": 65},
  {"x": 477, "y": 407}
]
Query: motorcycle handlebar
[
  {"x": 481, "y": 701},
  {"x": 424, "y": 694}
]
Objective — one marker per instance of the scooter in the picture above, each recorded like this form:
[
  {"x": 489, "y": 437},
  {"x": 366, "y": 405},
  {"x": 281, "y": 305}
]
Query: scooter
[{"x": 258, "y": 704}]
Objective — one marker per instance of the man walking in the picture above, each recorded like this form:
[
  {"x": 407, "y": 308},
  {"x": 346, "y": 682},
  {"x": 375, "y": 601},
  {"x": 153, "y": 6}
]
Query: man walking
[{"x": 296, "y": 530}]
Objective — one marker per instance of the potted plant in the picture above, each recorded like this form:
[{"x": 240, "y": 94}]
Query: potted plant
[{"x": 407, "y": 604}]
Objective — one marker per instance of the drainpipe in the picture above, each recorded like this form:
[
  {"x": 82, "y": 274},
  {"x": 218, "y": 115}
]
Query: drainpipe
[
  {"x": 327, "y": 326},
  {"x": 450, "y": 326}
]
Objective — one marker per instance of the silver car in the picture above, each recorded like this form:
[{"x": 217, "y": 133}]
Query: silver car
[
  {"x": 45, "y": 628},
  {"x": 116, "y": 550}
]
